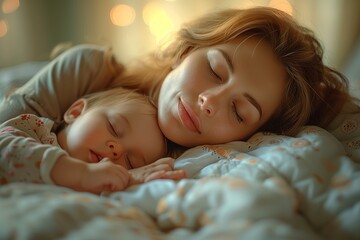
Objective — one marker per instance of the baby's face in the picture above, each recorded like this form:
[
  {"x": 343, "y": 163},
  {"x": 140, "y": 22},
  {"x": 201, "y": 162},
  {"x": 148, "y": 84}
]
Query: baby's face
[{"x": 128, "y": 134}]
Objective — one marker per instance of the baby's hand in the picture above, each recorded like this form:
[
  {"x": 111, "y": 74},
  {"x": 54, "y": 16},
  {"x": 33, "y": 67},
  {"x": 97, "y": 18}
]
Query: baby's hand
[
  {"x": 173, "y": 175},
  {"x": 105, "y": 176},
  {"x": 161, "y": 169}
]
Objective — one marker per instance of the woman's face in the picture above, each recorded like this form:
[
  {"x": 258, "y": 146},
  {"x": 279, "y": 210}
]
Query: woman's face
[{"x": 221, "y": 93}]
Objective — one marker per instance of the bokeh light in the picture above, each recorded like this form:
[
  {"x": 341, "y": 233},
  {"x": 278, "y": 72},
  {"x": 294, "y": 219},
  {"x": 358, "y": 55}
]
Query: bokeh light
[
  {"x": 3, "y": 28},
  {"x": 158, "y": 20},
  {"x": 9, "y": 6},
  {"x": 282, "y": 5},
  {"x": 122, "y": 15},
  {"x": 245, "y": 4},
  {"x": 151, "y": 10}
]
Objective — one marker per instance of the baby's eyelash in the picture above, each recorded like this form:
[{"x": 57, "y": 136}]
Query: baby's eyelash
[
  {"x": 112, "y": 129},
  {"x": 128, "y": 162}
]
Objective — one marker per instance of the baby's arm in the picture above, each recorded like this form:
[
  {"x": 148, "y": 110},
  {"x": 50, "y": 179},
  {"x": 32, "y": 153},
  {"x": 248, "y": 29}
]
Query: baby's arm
[
  {"x": 107, "y": 176},
  {"x": 27, "y": 149},
  {"x": 89, "y": 177},
  {"x": 161, "y": 169},
  {"x": 29, "y": 153}
]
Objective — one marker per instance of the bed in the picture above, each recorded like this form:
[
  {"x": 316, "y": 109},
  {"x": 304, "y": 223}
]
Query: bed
[{"x": 268, "y": 187}]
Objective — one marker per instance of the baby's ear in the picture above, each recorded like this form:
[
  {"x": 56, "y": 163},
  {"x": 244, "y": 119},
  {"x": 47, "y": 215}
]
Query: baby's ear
[{"x": 75, "y": 110}]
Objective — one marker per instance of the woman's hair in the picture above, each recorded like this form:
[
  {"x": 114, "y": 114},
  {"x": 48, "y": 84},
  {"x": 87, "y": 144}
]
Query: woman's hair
[{"x": 314, "y": 93}]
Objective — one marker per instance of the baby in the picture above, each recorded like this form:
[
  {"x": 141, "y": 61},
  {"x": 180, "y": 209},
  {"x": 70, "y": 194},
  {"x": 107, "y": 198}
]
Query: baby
[{"x": 109, "y": 141}]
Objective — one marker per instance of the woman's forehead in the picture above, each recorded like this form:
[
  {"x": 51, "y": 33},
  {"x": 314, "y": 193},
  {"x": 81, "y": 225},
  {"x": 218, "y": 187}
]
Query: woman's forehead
[{"x": 249, "y": 45}]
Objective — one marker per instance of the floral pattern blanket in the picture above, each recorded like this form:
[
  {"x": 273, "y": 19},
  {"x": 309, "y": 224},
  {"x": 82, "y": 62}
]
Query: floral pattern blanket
[{"x": 268, "y": 187}]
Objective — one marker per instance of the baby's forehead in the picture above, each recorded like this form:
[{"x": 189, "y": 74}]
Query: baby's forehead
[{"x": 137, "y": 105}]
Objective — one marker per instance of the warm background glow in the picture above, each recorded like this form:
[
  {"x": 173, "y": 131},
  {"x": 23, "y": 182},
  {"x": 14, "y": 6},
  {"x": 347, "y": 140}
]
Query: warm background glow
[
  {"x": 3, "y": 28},
  {"x": 158, "y": 20},
  {"x": 30, "y": 29},
  {"x": 9, "y": 6},
  {"x": 122, "y": 15},
  {"x": 283, "y": 5}
]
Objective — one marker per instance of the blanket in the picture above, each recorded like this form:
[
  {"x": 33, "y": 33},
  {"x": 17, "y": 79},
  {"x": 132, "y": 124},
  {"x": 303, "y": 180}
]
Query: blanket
[{"x": 268, "y": 187}]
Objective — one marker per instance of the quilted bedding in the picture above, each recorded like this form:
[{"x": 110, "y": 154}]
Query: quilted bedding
[{"x": 269, "y": 187}]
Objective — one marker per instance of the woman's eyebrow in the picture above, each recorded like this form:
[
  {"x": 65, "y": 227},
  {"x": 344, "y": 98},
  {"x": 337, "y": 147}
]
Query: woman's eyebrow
[
  {"x": 254, "y": 103},
  {"x": 227, "y": 59}
]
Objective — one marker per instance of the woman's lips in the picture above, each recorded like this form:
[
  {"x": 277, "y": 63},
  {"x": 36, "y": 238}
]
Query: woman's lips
[{"x": 188, "y": 117}]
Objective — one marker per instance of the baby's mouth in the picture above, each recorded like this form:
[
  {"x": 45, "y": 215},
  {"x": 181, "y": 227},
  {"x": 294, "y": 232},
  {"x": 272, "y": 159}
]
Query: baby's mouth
[{"x": 94, "y": 157}]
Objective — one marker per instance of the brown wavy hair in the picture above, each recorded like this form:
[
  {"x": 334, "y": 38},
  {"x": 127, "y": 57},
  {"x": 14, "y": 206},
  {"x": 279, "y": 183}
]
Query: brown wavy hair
[{"x": 314, "y": 94}]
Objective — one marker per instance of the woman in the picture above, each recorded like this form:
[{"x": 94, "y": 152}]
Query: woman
[{"x": 223, "y": 77}]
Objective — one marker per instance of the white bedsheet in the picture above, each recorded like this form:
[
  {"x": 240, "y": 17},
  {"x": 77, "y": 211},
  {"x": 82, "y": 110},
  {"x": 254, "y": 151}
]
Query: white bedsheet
[{"x": 270, "y": 187}]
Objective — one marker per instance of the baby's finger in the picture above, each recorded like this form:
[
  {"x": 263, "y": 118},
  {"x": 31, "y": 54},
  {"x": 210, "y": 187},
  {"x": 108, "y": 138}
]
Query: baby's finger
[
  {"x": 161, "y": 167},
  {"x": 175, "y": 175},
  {"x": 171, "y": 175},
  {"x": 116, "y": 185},
  {"x": 155, "y": 175},
  {"x": 168, "y": 161}
]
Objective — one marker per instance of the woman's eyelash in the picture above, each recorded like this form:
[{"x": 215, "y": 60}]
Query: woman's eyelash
[
  {"x": 213, "y": 72},
  {"x": 238, "y": 117}
]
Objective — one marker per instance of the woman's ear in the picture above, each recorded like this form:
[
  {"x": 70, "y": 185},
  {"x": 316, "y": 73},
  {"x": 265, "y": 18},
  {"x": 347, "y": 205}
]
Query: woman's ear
[{"x": 75, "y": 110}]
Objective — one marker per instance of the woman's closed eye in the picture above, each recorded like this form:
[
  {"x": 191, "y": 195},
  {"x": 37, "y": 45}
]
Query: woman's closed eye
[
  {"x": 238, "y": 117},
  {"x": 213, "y": 72},
  {"x": 219, "y": 64}
]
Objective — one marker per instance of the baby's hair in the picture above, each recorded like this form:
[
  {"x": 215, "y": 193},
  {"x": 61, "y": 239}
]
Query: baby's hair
[{"x": 113, "y": 97}]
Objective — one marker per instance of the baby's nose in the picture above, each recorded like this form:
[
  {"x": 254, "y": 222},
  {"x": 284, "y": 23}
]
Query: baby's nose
[{"x": 116, "y": 149}]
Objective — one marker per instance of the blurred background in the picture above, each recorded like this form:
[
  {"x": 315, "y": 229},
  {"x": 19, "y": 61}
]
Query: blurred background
[{"x": 30, "y": 29}]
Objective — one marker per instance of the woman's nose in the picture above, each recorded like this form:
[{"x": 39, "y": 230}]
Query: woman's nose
[
  {"x": 210, "y": 101},
  {"x": 116, "y": 149},
  {"x": 206, "y": 104}
]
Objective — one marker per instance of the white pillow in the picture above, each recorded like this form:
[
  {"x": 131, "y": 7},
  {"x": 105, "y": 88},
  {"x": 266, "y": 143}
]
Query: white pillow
[{"x": 346, "y": 128}]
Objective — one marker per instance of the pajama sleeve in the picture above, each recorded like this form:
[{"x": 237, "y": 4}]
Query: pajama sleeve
[
  {"x": 28, "y": 150},
  {"x": 78, "y": 71}
]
